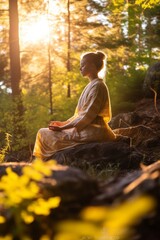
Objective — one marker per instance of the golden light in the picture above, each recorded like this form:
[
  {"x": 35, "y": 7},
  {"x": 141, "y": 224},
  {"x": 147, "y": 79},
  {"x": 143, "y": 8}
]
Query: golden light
[
  {"x": 35, "y": 30},
  {"x": 56, "y": 7}
]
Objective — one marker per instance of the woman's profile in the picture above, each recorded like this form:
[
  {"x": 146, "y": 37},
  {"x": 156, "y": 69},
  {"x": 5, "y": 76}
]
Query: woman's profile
[{"x": 90, "y": 120}]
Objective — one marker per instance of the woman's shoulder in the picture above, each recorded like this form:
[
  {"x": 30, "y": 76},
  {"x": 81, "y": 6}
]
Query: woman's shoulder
[
  {"x": 98, "y": 87},
  {"x": 99, "y": 83}
]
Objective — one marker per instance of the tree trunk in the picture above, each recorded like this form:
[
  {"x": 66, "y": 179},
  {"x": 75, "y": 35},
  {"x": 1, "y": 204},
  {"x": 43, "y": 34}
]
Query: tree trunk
[
  {"x": 50, "y": 78},
  {"x": 68, "y": 47},
  {"x": 18, "y": 128},
  {"x": 15, "y": 69}
]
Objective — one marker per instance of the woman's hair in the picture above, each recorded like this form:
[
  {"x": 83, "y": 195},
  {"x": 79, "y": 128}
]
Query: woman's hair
[{"x": 98, "y": 58}]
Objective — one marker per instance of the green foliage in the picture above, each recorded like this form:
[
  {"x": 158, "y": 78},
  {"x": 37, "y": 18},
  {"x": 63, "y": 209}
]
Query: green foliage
[
  {"x": 124, "y": 81},
  {"x": 144, "y": 3},
  {"x": 36, "y": 113},
  {"x": 6, "y": 148},
  {"x": 23, "y": 203},
  {"x": 147, "y": 3},
  {"x": 63, "y": 105}
]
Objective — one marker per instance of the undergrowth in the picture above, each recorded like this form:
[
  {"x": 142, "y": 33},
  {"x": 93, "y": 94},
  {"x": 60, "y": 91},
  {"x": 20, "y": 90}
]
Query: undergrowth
[{"x": 6, "y": 148}]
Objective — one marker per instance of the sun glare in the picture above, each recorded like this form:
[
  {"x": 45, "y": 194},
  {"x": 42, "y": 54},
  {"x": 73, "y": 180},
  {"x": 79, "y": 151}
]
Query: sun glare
[
  {"x": 35, "y": 30},
  {"x": 37, "y": 27}
]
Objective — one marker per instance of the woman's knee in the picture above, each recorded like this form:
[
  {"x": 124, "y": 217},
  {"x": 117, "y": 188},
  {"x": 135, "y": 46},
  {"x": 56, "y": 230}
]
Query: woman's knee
[{"x": 42, "y": 131}]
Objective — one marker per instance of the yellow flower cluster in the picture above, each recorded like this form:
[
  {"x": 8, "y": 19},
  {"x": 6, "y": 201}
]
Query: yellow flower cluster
[
  {"x": 21, "y": 196},
  {"x": 111, "y": 223},
  {"x": 16, "y": 188}
]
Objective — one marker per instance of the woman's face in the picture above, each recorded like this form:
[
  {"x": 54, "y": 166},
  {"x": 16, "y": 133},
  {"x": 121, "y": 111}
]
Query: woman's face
[{"x": 86, "y": 67}]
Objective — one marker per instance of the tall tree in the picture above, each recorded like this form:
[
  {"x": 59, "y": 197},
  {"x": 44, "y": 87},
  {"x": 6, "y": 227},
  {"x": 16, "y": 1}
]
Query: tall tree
[
  {"x": 15, "y": 69},
  {"x": 15, "y": 74},
  {"x": 68, "y": 45}
]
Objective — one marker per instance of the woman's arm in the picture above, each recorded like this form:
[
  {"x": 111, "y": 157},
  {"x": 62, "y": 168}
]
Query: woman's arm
[
  {"x": 62, "y": 123},
  {"x": 96, "y": 100},
  {"x": 59, "y": 127},
  {"x": 94, "y": 104}
]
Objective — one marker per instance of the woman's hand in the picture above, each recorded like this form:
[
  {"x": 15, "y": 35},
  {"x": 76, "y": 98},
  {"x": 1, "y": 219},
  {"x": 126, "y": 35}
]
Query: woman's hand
[
  {"x": 59, "y": 126},
  {"x": 56, "y": 123},
  {"x": 55, "y": 128}
]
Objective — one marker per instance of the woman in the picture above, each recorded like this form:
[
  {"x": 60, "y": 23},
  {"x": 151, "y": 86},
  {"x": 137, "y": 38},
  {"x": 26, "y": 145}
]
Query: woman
[{"x": 92, "y": 114}]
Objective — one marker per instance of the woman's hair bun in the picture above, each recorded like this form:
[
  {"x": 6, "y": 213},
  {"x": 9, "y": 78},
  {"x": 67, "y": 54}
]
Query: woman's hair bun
[
  {"x": 101, "y": 55},
  {"x": 98, "y": 58}
]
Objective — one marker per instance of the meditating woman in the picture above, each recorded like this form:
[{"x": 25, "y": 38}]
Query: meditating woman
[{"x": 90, "y": 120}]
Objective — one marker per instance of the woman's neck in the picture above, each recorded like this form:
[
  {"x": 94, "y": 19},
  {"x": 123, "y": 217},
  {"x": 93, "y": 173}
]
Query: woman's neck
[{"x": 92, "y": 77}]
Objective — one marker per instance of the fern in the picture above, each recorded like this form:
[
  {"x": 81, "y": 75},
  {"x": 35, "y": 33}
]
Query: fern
[{"x": 6, "y": 148}]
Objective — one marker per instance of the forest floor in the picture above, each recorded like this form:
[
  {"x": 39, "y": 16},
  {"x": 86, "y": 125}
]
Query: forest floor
[{"x": 121, "y": 191}]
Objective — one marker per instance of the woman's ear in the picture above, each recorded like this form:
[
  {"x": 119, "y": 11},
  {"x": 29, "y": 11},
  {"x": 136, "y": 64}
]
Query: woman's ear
[{"x": 94, "y": 68}]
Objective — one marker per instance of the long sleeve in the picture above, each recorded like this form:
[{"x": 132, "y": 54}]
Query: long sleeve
[{"x": 93, "y": 102}]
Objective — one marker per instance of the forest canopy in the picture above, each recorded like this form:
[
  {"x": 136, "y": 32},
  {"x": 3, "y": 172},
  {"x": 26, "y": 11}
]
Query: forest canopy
[{"x": 51, "y": 36}]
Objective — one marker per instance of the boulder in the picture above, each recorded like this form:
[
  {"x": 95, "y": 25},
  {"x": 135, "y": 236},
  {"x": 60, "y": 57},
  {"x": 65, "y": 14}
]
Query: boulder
[
  {"x": 144, "y": 114},
  {"x": 75, "y": 189},
  {"x": 69, "y": 181},
  {"x": 139, "y": 134},
  {"x": 124, "y": 120},
  {"x": 139, "y": 183},
  {"x": 117, "y": 154},
  {"x": 152, "y": 80},
  {"x": 142, "y": 125}
]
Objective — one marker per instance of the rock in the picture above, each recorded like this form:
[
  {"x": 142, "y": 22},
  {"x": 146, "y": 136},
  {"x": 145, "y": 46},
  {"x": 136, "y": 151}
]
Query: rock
[
  {"x": 124, "y": 120},
  {"x": 138, "y": 134},
  {"x": 69, "y": 185},
  {"x": 120, "y": 187},
  {"x": 146, "y": 109},
  {"x": 116, "y": 154},
  {"x": 15, "y": 166},
  {"x": 152, "y": 142},
  {"x": 75, "y": 189},
  {"x": 142, "y": 126},
  {"x": 152, "y": 80},
  {"x": 144, "y": 114},
  {"x": 144, "y": 182}
]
